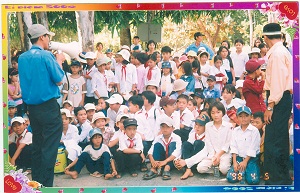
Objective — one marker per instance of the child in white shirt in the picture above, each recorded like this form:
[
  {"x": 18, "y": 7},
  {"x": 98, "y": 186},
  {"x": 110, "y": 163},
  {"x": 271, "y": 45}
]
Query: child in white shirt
[
  {"x": 152, "y": 72},
  {"x": 167, "y": 79}
]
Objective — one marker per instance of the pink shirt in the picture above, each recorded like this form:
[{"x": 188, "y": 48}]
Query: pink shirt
[
  {"x": 12, "y": 88},
  {"x": 141, "y": 73},
  {"x": 279, "y": 72}
]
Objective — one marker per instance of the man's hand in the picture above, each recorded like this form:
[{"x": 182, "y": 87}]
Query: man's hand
[
  {"x": 268, "y": 116},
  {"x": 60, "y": 58}
]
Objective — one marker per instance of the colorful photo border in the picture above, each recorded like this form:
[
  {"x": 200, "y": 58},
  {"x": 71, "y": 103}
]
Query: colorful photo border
[{"x": 162, "y": 6}]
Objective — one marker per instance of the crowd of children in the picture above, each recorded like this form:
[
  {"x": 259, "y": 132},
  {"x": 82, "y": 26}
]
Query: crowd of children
[{"x": 175, "y": 112}]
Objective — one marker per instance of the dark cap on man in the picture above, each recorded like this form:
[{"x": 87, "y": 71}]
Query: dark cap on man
[
  {"x": 253, "y": 64},
  {"x": 272, "y": 29},
  {"x": 129, "y": 122}
]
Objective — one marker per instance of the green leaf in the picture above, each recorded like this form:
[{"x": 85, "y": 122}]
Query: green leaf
[
  {"x": 8, "y": 167},
  {"x": 291, "y": 31}
]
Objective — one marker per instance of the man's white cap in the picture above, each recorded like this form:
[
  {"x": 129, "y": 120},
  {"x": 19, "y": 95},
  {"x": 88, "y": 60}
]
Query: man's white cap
[
  {"x": 17, "y": 119},
  {"x": 90, "y": 55},
  {"x": 69, "y": 102},
  {"x": 37, "y": 30},
  {"x": 125, "y": 54},
  {"x": 115, "y": 98},
  {"x": 89, "y": 106},
  {"x": 120, "y": 116},
  {"x": 167, "y": 120}
]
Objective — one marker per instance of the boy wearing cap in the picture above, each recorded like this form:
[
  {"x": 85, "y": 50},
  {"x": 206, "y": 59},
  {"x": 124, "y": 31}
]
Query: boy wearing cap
[
  {"x": 166, "y": 55},
  {"x": 130, "y": 154},
  {"x": 211, "y": 91},
  {"x": 20, "y": 141},
  {"x": 245, "y": 148},
  {"x": 115, "y": 108},
  {"x": 179, "y": 88},
  {"x": 165, "y": 148},
  {"x": 169, "y": 106},
  {"x": 90, "y": 111},
  {"x": 88, "y": 73},
  {"x": 253, "y": 86},
  {"x": 75, "y": 88},
  {"x": 126, "y": 75},
  {"x": 167, "y": 79},
  {"x": 100, "y": 82},
  {"x": 95, "y": 156},
  {"x": 12, "y": 109},
  {"x": 194, "y": 144},
  {"x": 99, "y": 121},
  {"x": 153, "y": 87}
]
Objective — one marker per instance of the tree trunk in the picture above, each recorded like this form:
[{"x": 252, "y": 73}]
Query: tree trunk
[
  {"x": 251, "y": 27},
  {"x": 24, "y": 21},
  {"x": 207, "y": 34},
  {"x": 42, "y": 19},
  {"x": 85, "y": 28},
  {"x": 125, "y": 36}
]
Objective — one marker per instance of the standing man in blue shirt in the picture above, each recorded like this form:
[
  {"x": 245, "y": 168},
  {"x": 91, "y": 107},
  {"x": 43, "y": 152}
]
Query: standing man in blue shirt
[
  {"x": 195, "y": 46},
  {"x": 40, "y": 75}
]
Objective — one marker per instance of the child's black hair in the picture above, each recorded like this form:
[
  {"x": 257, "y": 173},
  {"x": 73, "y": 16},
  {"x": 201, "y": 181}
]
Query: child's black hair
[
  {"x": 187, "y": 68},
  {"x": 217, "y": 57},
  {"x": 141, "y": 57},
  {"x": 183, "y": 96},
  {"x": 136, "y": 100},
  {"x": 196, "y": 64},
  {"x": 239, "y": 41},
  {"x": 229, "y": 88},
  {"x": 204, "y": 110},
  {"x": 237, "y": 94},
  {"x": 166, "y": 49},
  {"x": 227, "y": 43},
  {"x": 12, "y": 72},
  {"x": 209, "y": 101},
  {"x": 153, "y": 57},
  {"x": 193, "y": 101},
  {"x": 77, "y": 109},
  {"x": 262, "y": 45},
  {"x": 259, "y": 115},
  {"x": 219, "y": 106},
  {"x": 91, "y": 142},
  {"x": 150, "y": 96}
]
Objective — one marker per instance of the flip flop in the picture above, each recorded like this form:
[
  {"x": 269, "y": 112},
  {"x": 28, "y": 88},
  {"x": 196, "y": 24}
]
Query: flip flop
[
  {"x": 144, "y": 167},
  {"x": 166, "y": 175},
  {"x": 133, "y": 173},
  {"x": 149, "y": 175}
]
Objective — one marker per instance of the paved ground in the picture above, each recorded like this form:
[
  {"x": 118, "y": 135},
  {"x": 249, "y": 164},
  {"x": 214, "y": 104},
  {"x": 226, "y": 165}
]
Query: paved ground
[{"x": 85, "y": 180}]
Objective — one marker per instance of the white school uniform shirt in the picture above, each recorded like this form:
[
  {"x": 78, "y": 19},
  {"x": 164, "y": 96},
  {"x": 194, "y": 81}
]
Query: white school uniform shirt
[
  {"x": 156, "y": 102},
  {"x": 206, "y": 68},
  {"x": 117, "y": 135},
  {"x": 86, "y": 127},
  {"x": 110, "y": 78},
  {"x": 173, "y": 66},
  {"x": 215, "y": 71},
  {"x": 236, "y": 102},
  {"x": 226, "y": 64},
  {"x": 239, "y": 61},
  {"x": 96, "y": 154},
  {"x": 99, "y": 83},
  {"x": 198, "y": 157},
  {"x": 245, "y": 143},
  {"x": 193, "y": 137},
  {"x": 90, "y": 92},
  {"x": 127, "y": 81},
  {"x": 217, "y": 139},
  {"x": 26, "y": 137},
  {"x": 124, "y": 142},
  {"x": 112, "y": 115},
  {"x": 151, "y": 127},
  {"x": 70, "y": 140},
  {"x": 140, "y": 119},
  {"x": 186, "y": 118},
  {"x": 166, "y": 85},
  {"x": 71, "y": 134},
  {"x": 173, "y": 138},
  {"x": 156, "y": 75},
  {"x": 133, "y": 45}
]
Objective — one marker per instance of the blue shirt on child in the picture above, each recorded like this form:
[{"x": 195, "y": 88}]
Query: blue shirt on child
[
  {"x": 213, "y": 93},
  {"x": 39, "y": 72},
  {"x": 191, "y": 80}
]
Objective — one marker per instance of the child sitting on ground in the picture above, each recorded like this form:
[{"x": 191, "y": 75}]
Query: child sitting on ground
[
  {"x": 179, "y": 88},
  {"x": 70, "y": 137},
  {"x": 192, "y": 106},
  {"x": 102, "y": 105},
  {"x": 20, "y": 141},
  {"x": 194, "y": 144},
  {"x": 95, "y": 156},
  {"x": 99, "y": 121},
  {"x": 83, "y": 126},
  {"x": 130, "y": 153},
  {"x": 244, "y": 147},
  {"x": 90, "y": 111},
  {"x": 165, "y": 148},
  {"x": 211, "y": 91}
]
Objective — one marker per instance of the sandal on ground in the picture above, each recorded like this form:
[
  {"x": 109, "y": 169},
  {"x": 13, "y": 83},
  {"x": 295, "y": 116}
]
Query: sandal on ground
[
  {"x": 144, "y": 167},
  {"x": 96, "y": 174},
  {"x": 133, "y": 173},
  {"x": 149, "y": 175},
  {"x": 166, "y": 175}
]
